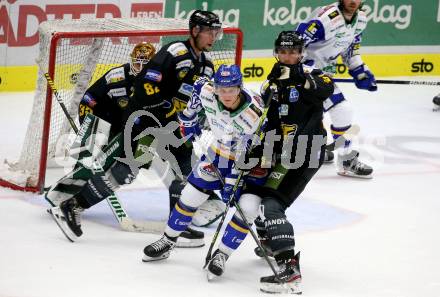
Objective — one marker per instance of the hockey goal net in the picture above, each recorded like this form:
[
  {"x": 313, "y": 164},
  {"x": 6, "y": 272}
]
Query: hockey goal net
[{"x": 75, "y": 53}]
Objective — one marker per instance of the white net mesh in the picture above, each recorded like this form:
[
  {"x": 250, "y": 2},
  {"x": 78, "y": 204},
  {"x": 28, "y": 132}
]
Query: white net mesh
[{"x": 79, "y": 60}]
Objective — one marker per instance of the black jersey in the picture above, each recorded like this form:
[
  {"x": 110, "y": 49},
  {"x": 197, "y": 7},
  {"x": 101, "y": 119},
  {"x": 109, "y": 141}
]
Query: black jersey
[
  {"x": 165, "y": 84},
  {"x": 108, "y": 97},
  {"x": 295, "y": 110}
]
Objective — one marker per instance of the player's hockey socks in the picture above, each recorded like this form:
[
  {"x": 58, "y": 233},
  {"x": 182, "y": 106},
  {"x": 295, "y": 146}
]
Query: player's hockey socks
[
  {"x": 180, "y": 218},
  {"x": 234, "y": 234}
]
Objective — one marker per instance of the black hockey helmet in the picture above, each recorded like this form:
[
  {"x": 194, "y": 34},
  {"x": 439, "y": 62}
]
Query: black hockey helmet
[
  {"x": 203, "y": 18},
  {"x": 289, "y": 40}
]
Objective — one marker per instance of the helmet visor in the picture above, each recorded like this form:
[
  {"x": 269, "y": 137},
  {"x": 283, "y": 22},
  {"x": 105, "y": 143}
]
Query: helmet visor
[{"x": 216, "y": 32}]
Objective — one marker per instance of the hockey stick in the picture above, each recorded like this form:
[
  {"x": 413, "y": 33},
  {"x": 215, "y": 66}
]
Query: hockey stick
[
  {"x": 125, "y": 222},
  {"x": 60, "y": 101},
  {"x": 393, "y": 82}
]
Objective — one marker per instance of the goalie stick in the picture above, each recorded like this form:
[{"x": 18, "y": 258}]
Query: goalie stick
[{"x": 125, "y": 222}]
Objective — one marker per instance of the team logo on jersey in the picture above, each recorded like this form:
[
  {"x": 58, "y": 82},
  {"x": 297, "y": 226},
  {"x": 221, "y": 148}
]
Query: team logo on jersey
[
  {"x": 283, "y": 109},
  {"x": 123, "y": 102},
  {"x": 237, "y": 127},
  {"x": 181, "y": 52},
  {"x": 185, "y": 89},
  {"x": 118, "y": 92},
  {"x": 115, "y": 75},
  {"x": 255, "y": 109},
  {"x": 153, "y": 75},
  {"x": 210, "y": 110},
  {"x": 276, "y": 175},
  {"x": 333, "y": 14},
  {"x": 207, "y": 172},
  {"x": 182, "y": 73},
  {"x": 289, "y": 129},
  {"x": 294, "y": 95},
  {"x": 89, "y": 100}
]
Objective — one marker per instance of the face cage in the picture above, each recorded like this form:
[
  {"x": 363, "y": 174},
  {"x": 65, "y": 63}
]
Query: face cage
[{"x": 138, "y": 61}]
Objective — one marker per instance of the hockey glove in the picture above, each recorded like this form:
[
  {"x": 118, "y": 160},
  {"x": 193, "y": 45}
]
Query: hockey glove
[
  {"x": 287, "y": 73},
  {"x": 189, "y": 126},
  {"x": 227, "y": 191},
  {"x": 363, "y": 78}
]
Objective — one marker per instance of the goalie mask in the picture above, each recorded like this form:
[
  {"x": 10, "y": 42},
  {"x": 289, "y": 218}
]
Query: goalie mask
[{"x": 140, "y": 56}]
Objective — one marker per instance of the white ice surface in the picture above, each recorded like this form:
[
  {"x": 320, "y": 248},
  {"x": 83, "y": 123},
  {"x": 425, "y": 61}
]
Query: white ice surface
[{"x": 374, "y": 237}]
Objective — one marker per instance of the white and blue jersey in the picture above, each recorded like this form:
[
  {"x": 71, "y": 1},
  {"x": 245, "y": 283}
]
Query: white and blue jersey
[
  {"x": 230, "y": 131},
  {"x": 327, "y": 36}
]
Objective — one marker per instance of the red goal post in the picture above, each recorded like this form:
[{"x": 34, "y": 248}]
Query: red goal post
[{"x": 75, "y": 53}]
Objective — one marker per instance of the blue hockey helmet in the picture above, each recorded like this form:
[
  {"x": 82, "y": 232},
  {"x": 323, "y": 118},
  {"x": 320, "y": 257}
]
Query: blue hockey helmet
[{"x": 228, "y": 76}]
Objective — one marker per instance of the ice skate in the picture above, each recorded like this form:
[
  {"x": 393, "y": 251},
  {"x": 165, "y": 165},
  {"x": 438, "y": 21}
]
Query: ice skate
[
  {"x": 216, "y": 265},
  {"x": 349, "y": 165},
  {"x": 159, "y": 249},
  {"x": 436, "y": 101},
  {"x": 329, "y": 157},
  {"x": 190, "y": 238},
  {"x": 68, "y": 218},
  {"x": 289, "y": 278}
]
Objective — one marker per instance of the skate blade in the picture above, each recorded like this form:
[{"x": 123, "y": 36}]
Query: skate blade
[
  {"x": 146, "y": 258},
  {"x": 210, "y": 276},
  {"x": 57, "y": 217},
  {"x": 349, "y": 174},
  {"x": 286, "y": 288},
  {"x": 189, "y": 243}
]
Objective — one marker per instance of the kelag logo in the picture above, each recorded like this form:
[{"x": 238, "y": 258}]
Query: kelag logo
[
  {"x": 422, "y": 66},
  {"x": 253, "y": 71}
]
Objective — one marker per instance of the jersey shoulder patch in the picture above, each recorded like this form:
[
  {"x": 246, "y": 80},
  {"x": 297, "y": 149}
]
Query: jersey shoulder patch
[
  {"x": 115, "y": 75},
  {"x": 330, "y": 17},
  {"x": 177, "y": 49},
  {"x": 153, "y": 75}
]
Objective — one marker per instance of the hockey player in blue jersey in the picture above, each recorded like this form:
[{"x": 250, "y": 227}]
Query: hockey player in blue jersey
[
  {"x": 233, "y": 115},
  {"x": 330, "y": 32}
]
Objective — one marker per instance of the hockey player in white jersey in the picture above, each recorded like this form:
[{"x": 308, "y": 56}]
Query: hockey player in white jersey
[
  {"x": 233, "y": 114},
  {"x": 330, "y": 32}
]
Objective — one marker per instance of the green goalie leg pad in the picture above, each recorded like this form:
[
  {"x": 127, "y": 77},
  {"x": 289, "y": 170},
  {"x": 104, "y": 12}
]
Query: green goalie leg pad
[{"x": 91, "y": 159}]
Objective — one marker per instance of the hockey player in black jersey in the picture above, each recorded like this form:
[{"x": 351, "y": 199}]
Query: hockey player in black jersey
[
  {"x": 296, "y": 113},
  {"x": 108, "y": 97},
  {"x": 162, "y": 87},
  {"x": 167, "y": 84}
]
